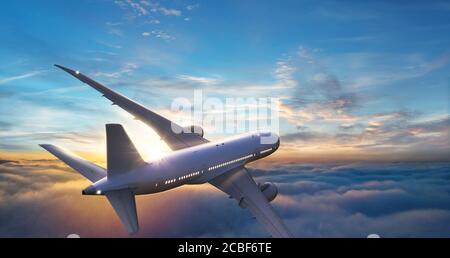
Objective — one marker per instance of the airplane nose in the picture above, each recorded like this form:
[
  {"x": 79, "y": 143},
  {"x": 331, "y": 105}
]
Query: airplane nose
[
  {"x": 269, "y": 138},
  {"x": 277, "y": 144}
]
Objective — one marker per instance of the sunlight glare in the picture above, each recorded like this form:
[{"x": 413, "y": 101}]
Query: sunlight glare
[{"x": 147, "y": 142}]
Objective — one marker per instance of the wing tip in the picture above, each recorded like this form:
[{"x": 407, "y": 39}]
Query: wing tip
[
  {"x": 61, "y": 67},
  {"x": 45, "y": 146},
  {"x": 133, "y": 231},
  {"x": 113, "y": 125},
  {"x": 68, "y": 70}
]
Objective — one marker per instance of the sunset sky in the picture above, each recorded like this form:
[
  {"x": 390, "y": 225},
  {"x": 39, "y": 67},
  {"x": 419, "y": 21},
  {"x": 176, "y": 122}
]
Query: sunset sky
[
  {"x": 359, "y": 84},
  {"x": 354, "y": 80}
]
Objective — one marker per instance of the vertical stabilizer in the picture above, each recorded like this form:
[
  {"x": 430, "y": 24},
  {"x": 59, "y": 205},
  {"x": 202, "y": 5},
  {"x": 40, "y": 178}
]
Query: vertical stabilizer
[{"x": 122, "y": 156}]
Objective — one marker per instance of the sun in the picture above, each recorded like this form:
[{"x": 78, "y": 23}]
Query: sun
[{"x": 147, "y": 142}]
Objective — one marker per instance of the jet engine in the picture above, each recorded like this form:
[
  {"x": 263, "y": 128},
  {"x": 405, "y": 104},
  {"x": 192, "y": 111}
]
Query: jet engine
[
  {"x": 269, "y": 190},
  {"x": 194, "y": 129}
]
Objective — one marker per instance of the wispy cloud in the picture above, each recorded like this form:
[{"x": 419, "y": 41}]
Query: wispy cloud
[
  {"x": 143, "y": 8},
  {"x": 336, "y": 12},
  {"x": 389, "y": 136},
  {"x": 110, "y": 45},
  {"x": 153, "y": 21},
  {"x": 315, "y": 94},
  {"x": 197, "y": 79},
  {"x": 412, "y": 67},
  {"x": 284, "y": 73},
  {"x": 6, "y": 80},
  {"x": 126, "y": 69},
  {"x": 327, "y": 114},
  {"x": 169, "y": 11},
  {"x": 192, "y": 7},
  {"x": 137, "y": 7},
  {"x": 159, "y": 34}
]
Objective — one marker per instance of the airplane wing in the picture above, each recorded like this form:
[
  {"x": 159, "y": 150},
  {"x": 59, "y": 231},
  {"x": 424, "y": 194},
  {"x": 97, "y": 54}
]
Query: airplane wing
[
  {"x": 163, "y": 127},
  {"x": 241, "y": 186}
]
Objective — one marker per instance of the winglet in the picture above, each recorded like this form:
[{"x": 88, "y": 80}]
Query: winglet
[
  {"x": 78, "y": 75},
  {"x": 72, "y": 72}
]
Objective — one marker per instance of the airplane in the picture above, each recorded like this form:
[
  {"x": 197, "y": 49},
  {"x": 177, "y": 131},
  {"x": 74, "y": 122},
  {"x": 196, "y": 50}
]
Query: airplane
[{"x": 193, "y": 160}]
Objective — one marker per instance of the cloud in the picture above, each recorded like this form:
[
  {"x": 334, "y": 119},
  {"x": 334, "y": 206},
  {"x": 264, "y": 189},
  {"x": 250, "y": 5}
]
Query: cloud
[
  {"x": 126, "y": 69},
  {"x": 197, "y": 79},
  {"x": 2, "y": 161},
  {"x": 153, "y": 21},
  {"x": 137, "y": 7},
  {"x": 333, "y": 11},
  {"x": 432, "y": 126},
  {"x": 384, "y": 134},
  {"x": 389, "y": 199},
  {"x": 316, "y": 94},
  {"x": 332, "y": 116},
  {"x": 284, "y": 73},
  {"x": 304, "y": 137},
  {"x": 6, "y": 80},
  {"x": 379, "y": 69},
  {"x": 159, "y": 34},
  {"x": 144, "y": 13},
  {"x": 432, "y": 65},
  {"x": 315, "y": 200},
  {"x": 169, "y": 11},
  {"x": 5, "y": 125},
  {"x": 192, "y": 7},
  {"x": 143, "y": 8},
  {"x": 114, "y": 46},
  {"x": 88, "y": 139}
]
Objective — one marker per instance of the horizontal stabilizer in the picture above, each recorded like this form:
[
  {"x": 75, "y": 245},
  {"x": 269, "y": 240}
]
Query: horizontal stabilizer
[
  {"x": 124, "y": 204},
  {"x": 87, "y": 169}
]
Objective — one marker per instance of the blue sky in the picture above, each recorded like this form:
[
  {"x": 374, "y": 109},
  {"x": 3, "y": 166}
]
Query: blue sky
[{"x": 353, "y": 78}]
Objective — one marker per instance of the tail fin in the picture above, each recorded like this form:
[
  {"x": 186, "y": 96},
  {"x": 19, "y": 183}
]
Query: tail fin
[
  {"x": 87, "y": 169},
  {"x": 124, "y": 204},
  {"x": 122, "y": 156}
]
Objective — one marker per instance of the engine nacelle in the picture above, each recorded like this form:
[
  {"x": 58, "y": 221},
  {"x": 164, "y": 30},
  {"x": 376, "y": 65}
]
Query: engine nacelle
[
  {"x": 194, "y": 129},
  {"x": 269, "y": 190}
]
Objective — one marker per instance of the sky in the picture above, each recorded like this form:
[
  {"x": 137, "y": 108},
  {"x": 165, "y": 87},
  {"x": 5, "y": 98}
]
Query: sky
[
  {"x": 353, "y": 80},
  {"x": 362, "y": 89}
]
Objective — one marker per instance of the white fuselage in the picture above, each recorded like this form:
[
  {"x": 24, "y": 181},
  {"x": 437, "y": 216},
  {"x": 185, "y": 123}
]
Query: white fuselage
[{"x": 195, "y": 165}]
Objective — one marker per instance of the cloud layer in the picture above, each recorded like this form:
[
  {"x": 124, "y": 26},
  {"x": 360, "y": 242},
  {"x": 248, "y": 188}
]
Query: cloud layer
[{"x": 42, "y": 199}]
